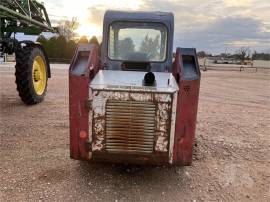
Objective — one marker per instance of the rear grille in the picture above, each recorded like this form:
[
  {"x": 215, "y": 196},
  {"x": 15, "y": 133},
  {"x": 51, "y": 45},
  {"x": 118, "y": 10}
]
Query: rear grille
[{"x": 130, "y": 126}]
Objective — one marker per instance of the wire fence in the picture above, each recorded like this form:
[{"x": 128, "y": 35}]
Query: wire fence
[{"x": 255, "y": 65}]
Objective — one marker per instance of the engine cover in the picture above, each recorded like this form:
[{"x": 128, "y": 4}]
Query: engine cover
[{"x": 128, "y": 120}]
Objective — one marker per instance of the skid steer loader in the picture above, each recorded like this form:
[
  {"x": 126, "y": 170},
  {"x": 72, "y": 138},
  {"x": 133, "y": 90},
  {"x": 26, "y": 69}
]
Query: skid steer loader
[{"x": 135, "y": 103}]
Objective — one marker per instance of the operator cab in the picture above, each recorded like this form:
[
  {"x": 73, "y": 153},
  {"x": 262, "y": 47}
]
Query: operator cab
[{"x": 136, "y": 41}]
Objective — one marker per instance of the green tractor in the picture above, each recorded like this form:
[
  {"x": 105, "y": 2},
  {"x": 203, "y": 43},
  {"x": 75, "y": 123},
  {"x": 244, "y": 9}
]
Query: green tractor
[{"x": 32, "y": 64}]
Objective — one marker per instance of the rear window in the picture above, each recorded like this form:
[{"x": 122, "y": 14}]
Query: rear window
[{"x": 132, "y": 41}]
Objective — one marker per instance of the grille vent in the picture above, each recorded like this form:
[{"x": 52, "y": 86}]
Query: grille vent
[{"x": 130, "y": 126}]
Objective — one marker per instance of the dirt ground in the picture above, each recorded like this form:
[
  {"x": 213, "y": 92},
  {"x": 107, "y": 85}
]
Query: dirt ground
[{"x": 231, "y": 155}]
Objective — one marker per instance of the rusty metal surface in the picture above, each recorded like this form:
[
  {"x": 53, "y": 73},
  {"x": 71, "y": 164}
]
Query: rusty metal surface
[
  {"x": 130, "y": 126},
  {"x": 151, "y": 127},
  {"x": 173, "y": 122},
  {"x": 132, "y": 80}
]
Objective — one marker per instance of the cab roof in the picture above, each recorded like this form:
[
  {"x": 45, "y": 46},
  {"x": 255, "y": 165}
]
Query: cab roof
[{"x": 157, "y": 16}]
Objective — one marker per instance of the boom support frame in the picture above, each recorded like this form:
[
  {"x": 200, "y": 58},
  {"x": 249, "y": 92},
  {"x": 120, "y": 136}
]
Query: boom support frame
[{"x": 26, "y": 16}]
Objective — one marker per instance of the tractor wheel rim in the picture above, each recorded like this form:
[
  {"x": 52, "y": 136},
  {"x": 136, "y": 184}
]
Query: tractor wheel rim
[{"x": 39, "y": 75}]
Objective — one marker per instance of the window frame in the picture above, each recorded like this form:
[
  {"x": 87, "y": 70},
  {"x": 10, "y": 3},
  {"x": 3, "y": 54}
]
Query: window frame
[{"x": 150, "y": 22}]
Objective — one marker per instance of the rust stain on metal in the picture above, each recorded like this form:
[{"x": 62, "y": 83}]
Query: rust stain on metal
[
  {"x": 98, "y": 129},
  {"x": 172, "y": 129},
  {"x": 163, "y": 126},
  {"x": 137, "y": 122},
  {"x": 130, "y": 126}
]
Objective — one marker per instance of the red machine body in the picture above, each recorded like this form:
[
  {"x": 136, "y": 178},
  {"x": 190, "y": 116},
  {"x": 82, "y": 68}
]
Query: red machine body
[
  {"x": 96, "y": 110},
  {"x": 187, "y": 106},
  {"x": 86, "y": 61}
]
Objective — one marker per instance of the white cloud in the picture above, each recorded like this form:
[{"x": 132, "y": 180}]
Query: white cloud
[
  {"x": 209, "y": 25},
  {"x": 238, "y": 3}
]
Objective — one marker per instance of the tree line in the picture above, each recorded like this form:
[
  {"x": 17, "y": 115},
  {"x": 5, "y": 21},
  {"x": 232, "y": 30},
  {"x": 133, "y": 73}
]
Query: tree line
[
  {"x": 243, "y": 53},
  {"x": 59, "y": 49}
]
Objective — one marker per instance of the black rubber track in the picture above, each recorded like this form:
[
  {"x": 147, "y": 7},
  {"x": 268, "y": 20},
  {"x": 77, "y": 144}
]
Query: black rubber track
[{"x": 24, "y": 64}]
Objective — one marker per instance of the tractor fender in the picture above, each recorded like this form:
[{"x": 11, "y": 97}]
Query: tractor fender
[{"x": 37, "y": 44}]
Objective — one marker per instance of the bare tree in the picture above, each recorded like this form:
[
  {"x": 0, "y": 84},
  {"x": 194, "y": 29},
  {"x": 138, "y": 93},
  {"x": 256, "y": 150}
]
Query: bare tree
[
  {"x": 151, "y": 47},
  {"x": 67, "y": 28},
  {"x": 201, "y": 54},
  {"x": 243, "y": 53}
]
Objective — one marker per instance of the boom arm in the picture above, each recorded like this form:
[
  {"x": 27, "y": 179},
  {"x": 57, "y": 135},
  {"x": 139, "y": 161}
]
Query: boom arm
[{"x": 27, "y": 16}]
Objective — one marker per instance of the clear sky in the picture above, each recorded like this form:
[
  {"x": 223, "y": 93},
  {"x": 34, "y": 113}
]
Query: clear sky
[{"x": 211, "y": 25}]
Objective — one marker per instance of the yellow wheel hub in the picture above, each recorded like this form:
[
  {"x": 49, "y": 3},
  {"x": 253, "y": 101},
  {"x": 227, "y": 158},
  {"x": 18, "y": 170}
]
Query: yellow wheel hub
[{"x": 39, "y": 75}]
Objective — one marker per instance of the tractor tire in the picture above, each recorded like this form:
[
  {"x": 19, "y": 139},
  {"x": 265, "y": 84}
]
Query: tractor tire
[{"x": 31, "y": 74}]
